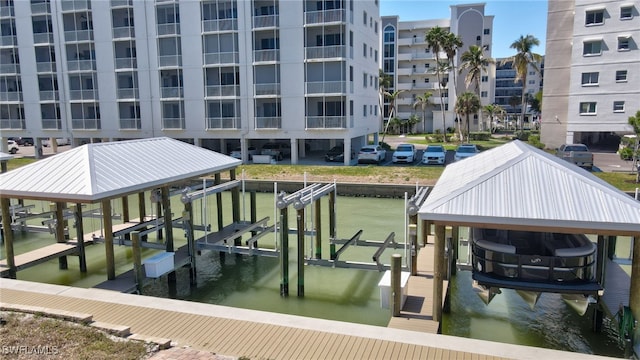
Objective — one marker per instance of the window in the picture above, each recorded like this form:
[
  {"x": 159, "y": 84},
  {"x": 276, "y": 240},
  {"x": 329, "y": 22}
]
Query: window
[
  {"x": 375, "y": 52},
  {"x": 531, "y": 82},
  {"x": 364, "y": 50},
  {"x": 364, "y": 17},
  {"x": 426, "y": 66},
  {"x": 351, "y": 107},
  {"x": 590, "y": 79},
  {"x": 623, "y": 43},
  {"x": 621, "y": 76},
  {"x": 364, "y": 110},
  {"x": 364, "y": 80},
  {"x": 532, "y": 72},
  {"x": 595, "y": 17},
  {"x": 484, "y": 78},
  {"x": 426, "y": 80},
  {"x": 592, "y": 48},
  {"x": 618, "y": 106},
  {"x": 626, "y": 12},
  {"x": 487, "y": 31},
  {"x": 375, "y": 27},
  {"x": 587, "y": 108},
  {"x": 483, "y": 94}
]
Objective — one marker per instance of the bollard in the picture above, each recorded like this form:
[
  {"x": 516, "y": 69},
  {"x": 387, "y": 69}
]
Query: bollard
[{"x": 396, "y": 291}]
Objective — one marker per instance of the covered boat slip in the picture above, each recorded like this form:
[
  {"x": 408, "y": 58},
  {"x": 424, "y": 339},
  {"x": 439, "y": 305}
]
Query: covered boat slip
[{"x": 517, "y": 187}]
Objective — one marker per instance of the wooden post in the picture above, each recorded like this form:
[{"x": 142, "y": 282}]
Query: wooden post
[
  {"x": 455, "y": 237},
  {"x": 396, "y": 289},
  {"x": 300, "y": 252},
  {"x": 253, "y": 212},
  {"x": 634, "y": 291},
  {"x": 8, "y": 236},
  {"x": 217, "y": 181},
  {"x": 168, "y": 221},
  {"x": 413, "y": 248},
  {"x": 611, "y": 249},
  {"x": 60, "y": 235},
  {"x": 332, "y": 215},
  {"x": 235, "y": 205},
  {"x": 125, "y": 209},
  {"x": 137, "y": 260},
  {"x": 318, "y": 222},
  {"x": 142, "y": 212},
  {"x": 108, "y": 239},
  {"x": 284, "y": 252},
  {"x": 601, "y": 259},
  {"x": 426, "y": 231},
  {"x": 82, "y": 256},
  {"x": 3, "y": 166},
  {"x": 438, "y": 266},
  {"x": 187, "y": 217}
]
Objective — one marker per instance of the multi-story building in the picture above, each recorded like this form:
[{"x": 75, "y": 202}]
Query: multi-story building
[
  {"x": 215, "y": 73},
  {"x": 509, "y": 92},
  {"x": 407, "y": 58},
  {"x": 592, "y": 71}
]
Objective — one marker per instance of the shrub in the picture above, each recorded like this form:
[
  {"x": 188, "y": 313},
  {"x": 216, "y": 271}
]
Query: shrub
[
  {"x": 626, "y": 153},
  {"x": 434, "y": 138},
  {"x": 480, "y": 136},
  {"x": 534, "y": 140}
]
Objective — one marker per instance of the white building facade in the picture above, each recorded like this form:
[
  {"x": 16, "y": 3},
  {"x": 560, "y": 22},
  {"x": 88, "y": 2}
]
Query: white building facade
[
  {"x": 216, "y": 73},
  {"x": 508, "y": 92},
  {"x": 407, "y": 58},
  {"x": 592, "y": 71}
]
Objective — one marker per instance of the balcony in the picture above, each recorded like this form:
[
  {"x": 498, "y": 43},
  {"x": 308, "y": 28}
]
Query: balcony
[
  {"x": 9, "y": 68},
  {"x": 404, "y": 56},
  {"x": 172, "y": 92},
  {"x": 404, "y": 86},
  {"x": 91, "y": 94},
  {"x": 325, "y": 52},
  {"x": 14, "y": 96},
  {"x": 49, "y": 95},
  {"x": 170, "y": 60},
  {"x": 267, "y": 89},
  {"x": 410, "y": 41},
  {"x": 81, "y": 65},
  {"x": 268, "y": 122},
  {"x": 326, "y": 122},
  {"x": 124, "y": 32},
  {"x": 121, "y": 3},
  {"x": 127, "y": 94},
  {"x": 43, "y": 38},
  {"x": 265, "y": 21},
  {"x": 222, "y": 123},
  {"x": 75, "y": 5},
  {"x": 173, "y": 123},
  {"x": 219, "y": 25},
  {"x": 40, "y": 8},
  {"x": 266, "y": 55},
  {"x": 405, "y": 71},
  {"x": 42, "y": 67},
  {"x": 15, "y": 124},
  {"x": 324, "y": 16},
  {"x": 223, "y": 90},
  {"x": 326, "y": 87},
  {"x": 130, "y": 124},
  {"x": 221, "y": 58},
  {"x": 85, "y": 124},
  {"x": 51, "y": 124},
  {"x": 8, "y": 40},
  {"x": 168, "y": 29},
  {"x": 126, "y": 63},
  {"x": 7, "y": 11},
  {"x": 78, "y": 35}
]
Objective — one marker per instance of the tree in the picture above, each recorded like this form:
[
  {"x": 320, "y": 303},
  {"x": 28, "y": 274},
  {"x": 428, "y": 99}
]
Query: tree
[
  {"x": 423, "y": 101},
  {"x": 385, "y": 81},
  {"x": 493, "y": 111},
  {"x": 536, "y": 102},
  {"x": 392, "y": 107},
  {"x": 467, "y": 103},
  {"x": 435, "y": 38},
  {"x": 475, "y": 63},
  {"x": 450, "y": 47},
  {"x": 513, "y": 102},
  {"x": 635, "y": 122},
  {"x": 521, "y": 61}
]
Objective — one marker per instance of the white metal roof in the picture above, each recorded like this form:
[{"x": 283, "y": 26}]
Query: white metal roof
[
  {"x": 518, "y": 185},
  {"x": 99, "y": 171},
  {"x": 5, "y": 156}
]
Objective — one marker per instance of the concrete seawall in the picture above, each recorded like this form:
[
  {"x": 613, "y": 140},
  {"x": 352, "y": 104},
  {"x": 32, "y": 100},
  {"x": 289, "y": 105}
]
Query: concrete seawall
[{"x": 344, "y": 189}]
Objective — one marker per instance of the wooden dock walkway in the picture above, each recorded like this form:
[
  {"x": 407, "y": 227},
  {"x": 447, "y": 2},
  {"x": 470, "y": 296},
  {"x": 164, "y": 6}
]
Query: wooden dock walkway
[
  {"x": 617, "y": 287},
  {"x": 257, "y": 334},
  {"x": 417, "y": 312}
]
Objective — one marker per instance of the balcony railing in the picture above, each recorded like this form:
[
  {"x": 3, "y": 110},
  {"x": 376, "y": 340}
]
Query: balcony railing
[
  {"x": 7, "y": 11},
  {"x": 268, "y": 122},
  {"x": 40, "y": 8},
  {"x": 83, "y": 94},
  {"x": 126, "y": 63},
  {"x": 266, "y": 55},
  {"x": 130, "y": 124},
  {"x": 43, "y": 38},
  {"x": 326, "y": 122},
  {"x": 124, "y": 32},
  {"x": 42, "y": 67},
  {"x": 81, "y": 65},
  {"x": 78, "y": 35},
  {"x": 172, "y": 92},
  {"x": 324, "y": 16},
  {"x": 131, "y": 93},
  {"x": 221, "y": 58},
  {"x": 75, "y": 5},
  {"x": 263, "y": 21},
  {"x": 8, "y": 40},
  {"x": 168, "y": 29},
  {"x": 267, "y": 89},
  {"x": 325, "y": 52},
  {"x": 121, "y": 3},
  {"x": 10, "y": 95},
  {"x": 174, "y": 123},
  {"x": 219, "y": 25},
  {"x": 52, "y": 124},
  {"x": 223, "y": 123},
  {"x": 223, "y": 90},
  {"x": 326, "y": 87},
  {"x": 9, "y": 68},
  {"x": 170, "y": 60},
  {"x": 48, "y": 95},
  {"x": 85, "y": 124},
  {"x": 13, "y": 124}
]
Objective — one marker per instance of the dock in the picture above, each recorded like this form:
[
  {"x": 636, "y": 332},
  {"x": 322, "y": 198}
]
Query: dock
[
  {"x": 617, "y": 285},
  {"x": 417, "y": 312}
]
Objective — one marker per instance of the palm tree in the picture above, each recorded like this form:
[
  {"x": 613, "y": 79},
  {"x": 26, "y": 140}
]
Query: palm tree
[
  {"x": 436, "y": 38},
  {"x": 423, "y": 101},
  {"x": 492, "y": 111},
  {"x": 385, "y": 81},
  {"x": 474, "y": 61},
  {"x": 513, "y": 102},
  {"x": 392, "y": 107},
  {"x": 524, "y": 58},
  {"x": 467, "y": 103},
  {"x": 450, "y": 47}
]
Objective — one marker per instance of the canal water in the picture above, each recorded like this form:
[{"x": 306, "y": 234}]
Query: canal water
[{"x": 332, "y": 293}]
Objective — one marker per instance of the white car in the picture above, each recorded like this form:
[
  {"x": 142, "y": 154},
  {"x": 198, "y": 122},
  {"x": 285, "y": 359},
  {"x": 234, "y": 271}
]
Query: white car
[
  {"x": 404, "y": 153},
  {"x": 12, "y": 147},
  {"x": 59, "y": 142},
  {"x": 464, "y": 151},
  {"x": 434, "y": 154},
  {"x": 237, "y": 152},
  {"x": 372, "y": 153}
]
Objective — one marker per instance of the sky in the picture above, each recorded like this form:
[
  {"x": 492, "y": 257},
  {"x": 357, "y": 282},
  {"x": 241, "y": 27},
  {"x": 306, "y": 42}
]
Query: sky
[{"x": 512, "y": 18}]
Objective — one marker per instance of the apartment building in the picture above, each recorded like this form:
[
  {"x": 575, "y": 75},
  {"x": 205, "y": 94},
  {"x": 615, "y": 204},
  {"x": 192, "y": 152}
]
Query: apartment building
[
  {"x": 216, "y": 73},
  {"x": 407, "y": 58},
  {"x": 592, "y": 71},
  {"x": 508, "y": 92}
]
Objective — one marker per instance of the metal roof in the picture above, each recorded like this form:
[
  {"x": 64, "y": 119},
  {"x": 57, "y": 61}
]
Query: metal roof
[
  {"x": 94, "y": 172},
  {"x": 517, "y": 185},
  {"x": 5, "y": 156}
]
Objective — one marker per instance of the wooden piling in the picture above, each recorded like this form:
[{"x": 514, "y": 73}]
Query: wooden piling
[
  {"x": 284, "y": 252},
  {"x": 300, "y": 259},
  {"x": 455, "y": 241},
  {"x": 108, "y": 239},
  {"x": 396, "y": 290},
  {"x": 82, "y": 256},
  {"x": 438, "y": 270},
  {"x": 318, "y": 222},
  {"x": 60, "y": 234},
  {"x": 235, "y": 205},
  {"x": 5, "y": 203},
  {"x": 137, "y": 260},
  {"x": 216, "y": 181},
  {"x": 332, "y": 215},
  {"x": 168, "y": 221},
  {"x": 125, "y": 209},
  {"x": 142, "y": 211},
  {"x": 634, "y": 291},
  {"x": 413, "y": 242},
  {"x": 187, "y": 217}
]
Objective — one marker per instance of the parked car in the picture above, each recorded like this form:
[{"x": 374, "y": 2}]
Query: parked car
[
  {"x": 277, "y": 150},
  {"x": 237, "y": 152},
  {"x": 336, "y": 153},
  {"x": 465, "y": 150},
  {"x": 404, "y": 153},
  {"x": 434, "y": 154},
  {"x": 25, "y": 141},
  {"x": 12, "y": 147},
  {"x": 372, "y": 153},
  {"x": 578, "y": 154},
  {"x": 59, "y": 141}
]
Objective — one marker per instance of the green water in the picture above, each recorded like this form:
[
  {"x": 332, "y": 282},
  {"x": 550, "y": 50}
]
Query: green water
[{"x": 331, "y": 293}]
